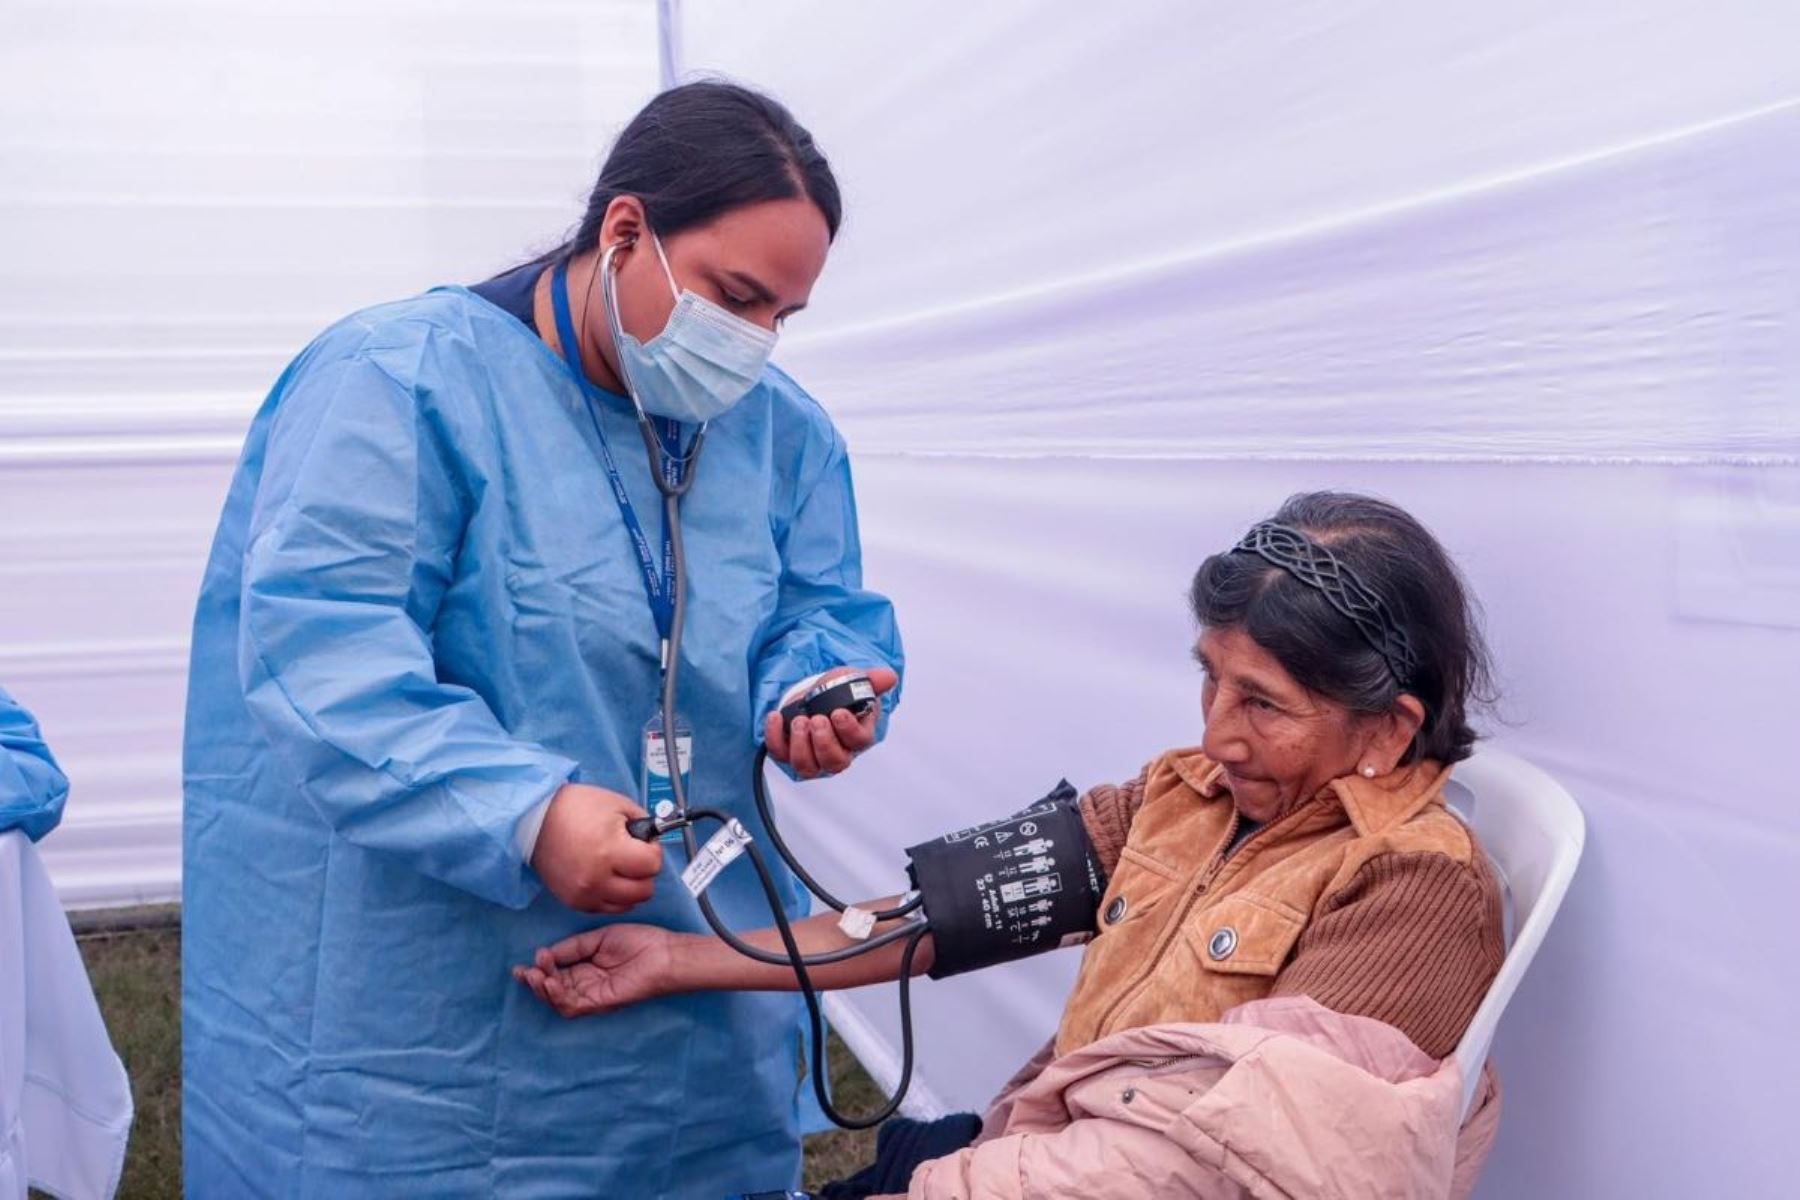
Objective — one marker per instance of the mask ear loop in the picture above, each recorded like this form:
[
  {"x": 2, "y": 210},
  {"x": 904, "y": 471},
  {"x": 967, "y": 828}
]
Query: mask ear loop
[{"x": 674, "y": 288}]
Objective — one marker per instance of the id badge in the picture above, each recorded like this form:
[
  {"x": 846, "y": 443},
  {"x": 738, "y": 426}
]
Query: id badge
[{"x": 654, "y": 782}]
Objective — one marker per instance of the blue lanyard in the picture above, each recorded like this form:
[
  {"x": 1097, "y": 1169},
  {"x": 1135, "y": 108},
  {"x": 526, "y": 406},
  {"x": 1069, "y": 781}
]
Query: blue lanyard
[{"x": 658, "y": 585}]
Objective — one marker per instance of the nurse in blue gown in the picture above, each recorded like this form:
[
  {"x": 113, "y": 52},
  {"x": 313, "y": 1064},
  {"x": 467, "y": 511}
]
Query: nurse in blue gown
[{"x": 425, "y": 657}]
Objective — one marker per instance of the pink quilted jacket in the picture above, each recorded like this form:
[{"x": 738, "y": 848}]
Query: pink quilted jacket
[{"x": 1281, "y": 1098}]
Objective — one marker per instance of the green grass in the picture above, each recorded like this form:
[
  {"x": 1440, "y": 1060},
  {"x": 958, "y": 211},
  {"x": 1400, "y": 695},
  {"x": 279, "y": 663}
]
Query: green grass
[
  {"x": 844, "y": 1152},
  {"x": 137, "y": 977}
]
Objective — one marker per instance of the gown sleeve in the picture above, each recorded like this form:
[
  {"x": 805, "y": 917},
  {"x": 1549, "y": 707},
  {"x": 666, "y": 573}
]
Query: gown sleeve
[
  {"x": 824, "y": 617},
  {"x": 32, "y": 787},
  {"x": 357, "y": 531}
]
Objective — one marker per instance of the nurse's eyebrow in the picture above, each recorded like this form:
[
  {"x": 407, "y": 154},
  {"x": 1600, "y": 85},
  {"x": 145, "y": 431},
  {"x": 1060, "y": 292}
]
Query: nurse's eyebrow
[{"x": 756, "y": 289}]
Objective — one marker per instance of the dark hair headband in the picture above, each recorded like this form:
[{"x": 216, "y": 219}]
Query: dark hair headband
[{"x": 1317, "y": 567}]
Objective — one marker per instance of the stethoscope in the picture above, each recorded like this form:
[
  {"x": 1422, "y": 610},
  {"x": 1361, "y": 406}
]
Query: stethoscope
[{"x": 912, "y": 931}]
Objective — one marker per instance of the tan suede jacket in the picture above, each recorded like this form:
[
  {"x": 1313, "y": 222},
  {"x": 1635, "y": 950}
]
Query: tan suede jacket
[{"x": 1371, "y": 898}]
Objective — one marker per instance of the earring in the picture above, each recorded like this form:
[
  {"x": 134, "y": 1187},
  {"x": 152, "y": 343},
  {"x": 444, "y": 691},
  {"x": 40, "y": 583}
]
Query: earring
[{"x": 1368, "y": 770}]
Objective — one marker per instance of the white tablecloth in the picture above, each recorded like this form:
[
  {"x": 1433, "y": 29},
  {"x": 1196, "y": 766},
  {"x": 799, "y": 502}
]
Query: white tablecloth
[{"x": 65, "y": 1102}]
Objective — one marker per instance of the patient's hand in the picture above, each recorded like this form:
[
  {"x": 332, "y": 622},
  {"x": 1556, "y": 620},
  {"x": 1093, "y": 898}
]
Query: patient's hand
[{"x": 602, "y": 969}]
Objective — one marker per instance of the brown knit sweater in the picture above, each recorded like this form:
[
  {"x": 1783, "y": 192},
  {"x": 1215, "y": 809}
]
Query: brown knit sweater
[
  {"x": 1411, "y": 937},
  {"x": 1407, "y": 943}
]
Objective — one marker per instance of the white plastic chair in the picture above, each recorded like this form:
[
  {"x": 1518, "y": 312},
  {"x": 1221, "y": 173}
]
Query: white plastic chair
[{"x": 1533, "y": 832}]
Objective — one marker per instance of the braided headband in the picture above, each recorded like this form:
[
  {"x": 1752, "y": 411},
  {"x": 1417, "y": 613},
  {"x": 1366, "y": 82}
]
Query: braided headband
[{"x": 1317, "y": 567}]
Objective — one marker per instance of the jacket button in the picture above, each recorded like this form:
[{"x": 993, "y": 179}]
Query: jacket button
[
  {"x": 1115, "y": 911},
  {"x": 1222, "y": 944}
]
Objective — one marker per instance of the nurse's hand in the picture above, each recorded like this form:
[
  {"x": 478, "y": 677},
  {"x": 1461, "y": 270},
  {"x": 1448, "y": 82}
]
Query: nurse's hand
[
  {"x": 817, "y": 746},
  {"x": 585, "y": 856},
  {"x": 602, "y": 969}
]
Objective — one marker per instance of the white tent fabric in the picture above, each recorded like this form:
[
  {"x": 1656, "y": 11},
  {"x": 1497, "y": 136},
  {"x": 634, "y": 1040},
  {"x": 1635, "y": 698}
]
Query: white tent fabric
[
  {"x": 188, "y": 192},
  {"x": 1606, "y": 300},
  {"x": 1112, "y": 286}
]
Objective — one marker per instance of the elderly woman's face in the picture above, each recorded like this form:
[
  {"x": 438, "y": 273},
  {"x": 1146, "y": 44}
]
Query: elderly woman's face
[{"x": 1278, "y": 742}]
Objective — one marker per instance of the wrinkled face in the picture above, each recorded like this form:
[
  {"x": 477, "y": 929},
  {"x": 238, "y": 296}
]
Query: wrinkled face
[
  {"x": 1278, "y": 742},
  {"x": 758, "y": 262}
]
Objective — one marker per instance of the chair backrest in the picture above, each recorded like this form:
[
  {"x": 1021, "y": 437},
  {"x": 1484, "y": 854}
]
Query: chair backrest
[{"x": 1533, "y": 832}]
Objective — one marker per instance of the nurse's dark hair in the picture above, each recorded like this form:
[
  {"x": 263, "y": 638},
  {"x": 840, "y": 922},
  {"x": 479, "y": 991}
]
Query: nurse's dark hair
[
  {"x": 699, "y": 151},
  {"x": 1398, "y": 559}
]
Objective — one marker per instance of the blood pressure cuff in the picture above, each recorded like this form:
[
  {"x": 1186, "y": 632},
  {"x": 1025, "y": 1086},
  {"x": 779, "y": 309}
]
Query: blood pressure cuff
[{"x": 1011, "y": 888}]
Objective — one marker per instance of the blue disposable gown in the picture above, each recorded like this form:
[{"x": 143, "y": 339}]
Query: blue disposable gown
[
  {"x": 421, "y": 616},
  {"x": 32, "y": 786}
]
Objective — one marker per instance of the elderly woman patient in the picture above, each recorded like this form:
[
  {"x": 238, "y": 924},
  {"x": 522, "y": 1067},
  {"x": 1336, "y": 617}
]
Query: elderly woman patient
[{"x": 1294, "y": 930}]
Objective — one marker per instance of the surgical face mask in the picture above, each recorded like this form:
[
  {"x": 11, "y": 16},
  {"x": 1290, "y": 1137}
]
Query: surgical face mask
[{"x": 704, "y": 361}]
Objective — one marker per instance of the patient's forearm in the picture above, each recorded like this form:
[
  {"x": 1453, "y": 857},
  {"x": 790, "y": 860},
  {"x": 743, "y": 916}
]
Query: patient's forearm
[{"x": 700, "y": 962}]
